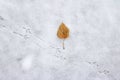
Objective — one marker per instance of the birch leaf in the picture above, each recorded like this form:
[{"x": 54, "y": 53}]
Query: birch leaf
[{"x": 63, "y": 32}]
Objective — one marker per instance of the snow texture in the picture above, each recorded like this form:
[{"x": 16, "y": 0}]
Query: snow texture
[{"x": 30, "y": 49}]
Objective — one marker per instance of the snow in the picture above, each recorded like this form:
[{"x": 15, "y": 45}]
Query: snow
[
  {"x": 26, "y": 63},
  {"x": 31, "y": 50}
]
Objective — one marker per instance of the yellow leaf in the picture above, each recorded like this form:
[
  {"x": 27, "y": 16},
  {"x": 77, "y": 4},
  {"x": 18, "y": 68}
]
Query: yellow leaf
[{"x": 63, "y": 32}]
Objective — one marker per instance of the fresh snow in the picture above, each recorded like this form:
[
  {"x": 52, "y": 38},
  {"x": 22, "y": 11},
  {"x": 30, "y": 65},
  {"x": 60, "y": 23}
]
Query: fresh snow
[{"x": 31, "y": 50}]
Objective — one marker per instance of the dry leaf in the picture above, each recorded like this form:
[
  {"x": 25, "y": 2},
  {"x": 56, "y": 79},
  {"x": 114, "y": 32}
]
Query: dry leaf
[{"x": 63, "y": 32}]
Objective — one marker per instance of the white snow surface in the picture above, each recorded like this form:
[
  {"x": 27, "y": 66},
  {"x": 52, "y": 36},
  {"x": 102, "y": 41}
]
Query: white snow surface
[{"x": 30, "y": 49}]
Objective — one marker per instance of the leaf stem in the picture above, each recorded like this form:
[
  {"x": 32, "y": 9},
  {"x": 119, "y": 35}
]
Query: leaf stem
[{"x": 63, "y": 44}]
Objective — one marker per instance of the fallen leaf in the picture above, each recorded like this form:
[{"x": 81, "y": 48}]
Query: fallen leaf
[{"x": 63, "y": 32}]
